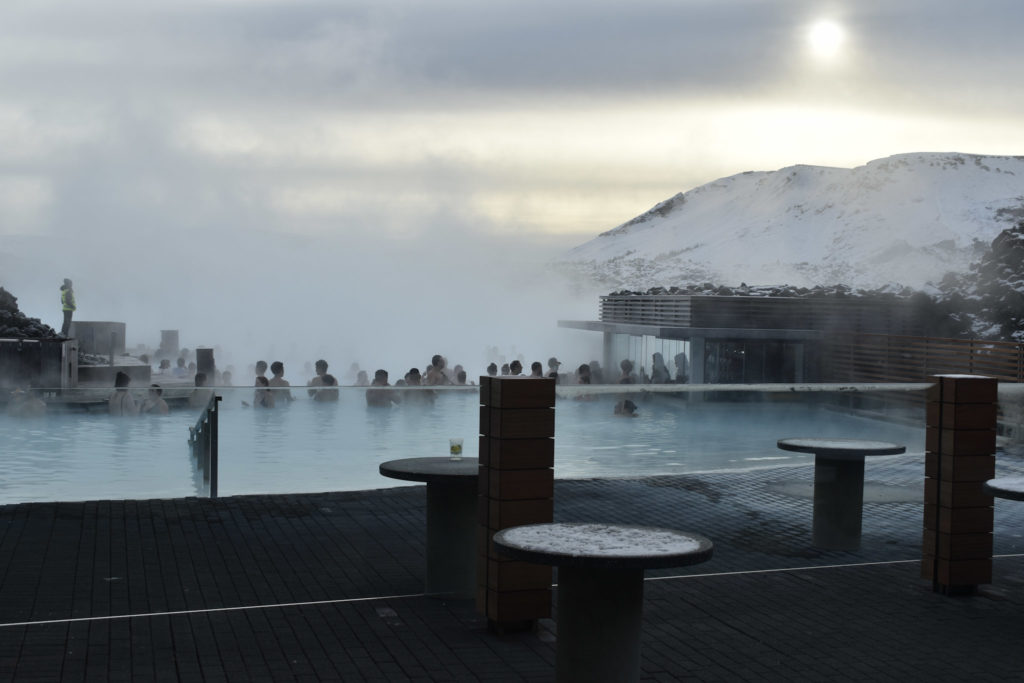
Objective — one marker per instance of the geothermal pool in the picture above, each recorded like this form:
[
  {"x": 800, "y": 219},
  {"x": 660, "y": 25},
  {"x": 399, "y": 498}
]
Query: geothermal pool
[{"x": 309, "y": 446}]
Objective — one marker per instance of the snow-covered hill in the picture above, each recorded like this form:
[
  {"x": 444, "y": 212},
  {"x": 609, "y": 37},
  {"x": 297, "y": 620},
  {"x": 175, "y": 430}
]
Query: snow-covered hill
[{"x": 904, "y": 220}]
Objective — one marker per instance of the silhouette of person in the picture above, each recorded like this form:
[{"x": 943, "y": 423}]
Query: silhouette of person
[
  {"x": 553, "y": 364},
  {"x": 200, "y": 396},
  {"x": 628, "y": 376},
  {"x": 318, "y": 381},
  {"x": 626, "y": 409},
  {"x": 154, "y": 403},
  {"x": 325, "y": 394},
  {"x": 263, "y": 397},
  {"x": 279, "y": 382},
  {"x": 659, "y": 371},
  {"x": 121, "y": 402},
  {"x": 67, "y": 302},
  {"x": 381, "y": 398}
]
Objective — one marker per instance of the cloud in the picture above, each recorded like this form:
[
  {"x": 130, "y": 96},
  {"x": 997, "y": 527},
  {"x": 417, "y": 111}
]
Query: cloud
[{"x": 253, "y": 168}]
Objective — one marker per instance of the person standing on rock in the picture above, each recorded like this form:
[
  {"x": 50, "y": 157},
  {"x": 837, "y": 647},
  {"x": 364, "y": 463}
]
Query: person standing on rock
[{"x": 67, "y": 301}]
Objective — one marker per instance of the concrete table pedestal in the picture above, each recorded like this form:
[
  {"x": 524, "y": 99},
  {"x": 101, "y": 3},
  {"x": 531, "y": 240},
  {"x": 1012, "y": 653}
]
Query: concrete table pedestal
[
  {"x": 601, "y": 588},
  {"x": 451, "y": 539},
  {"x": 838, "y": 502},
  {"x": 451, "y": 520},
  {"x": 600, "y": 613},
  {"x": 839, "y": 486}
]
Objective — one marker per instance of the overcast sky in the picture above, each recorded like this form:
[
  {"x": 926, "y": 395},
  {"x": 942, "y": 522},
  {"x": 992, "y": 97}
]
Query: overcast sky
[{"x": 247, "y": 140}]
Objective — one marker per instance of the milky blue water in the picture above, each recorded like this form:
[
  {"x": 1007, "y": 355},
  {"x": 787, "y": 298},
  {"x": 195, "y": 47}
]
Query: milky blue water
[{"x": 308, "y": 446}]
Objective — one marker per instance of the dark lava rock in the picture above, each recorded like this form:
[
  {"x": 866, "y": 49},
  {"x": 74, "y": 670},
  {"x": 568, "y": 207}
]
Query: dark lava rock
[{"x": 16, "y": 325}]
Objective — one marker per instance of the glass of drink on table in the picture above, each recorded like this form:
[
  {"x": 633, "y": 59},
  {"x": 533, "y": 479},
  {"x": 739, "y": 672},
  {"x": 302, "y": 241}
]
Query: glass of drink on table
[{"x": 455, "y": 449}]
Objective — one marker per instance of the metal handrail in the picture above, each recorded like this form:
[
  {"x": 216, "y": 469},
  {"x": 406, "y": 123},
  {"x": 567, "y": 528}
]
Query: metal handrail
[{"x": 202, "y": 440}]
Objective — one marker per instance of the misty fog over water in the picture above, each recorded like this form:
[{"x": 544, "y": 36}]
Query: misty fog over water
[{"x": 389, "y": 301}]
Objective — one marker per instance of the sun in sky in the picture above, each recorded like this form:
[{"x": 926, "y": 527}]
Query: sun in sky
[{"x": 825, "y": 38}]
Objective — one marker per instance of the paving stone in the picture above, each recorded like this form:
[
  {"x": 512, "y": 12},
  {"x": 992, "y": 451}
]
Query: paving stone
[{"x": 764, "y": 608}]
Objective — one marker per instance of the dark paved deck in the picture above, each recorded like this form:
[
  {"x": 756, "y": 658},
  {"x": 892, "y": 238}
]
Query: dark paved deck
[{"x": 327, "y": 587}]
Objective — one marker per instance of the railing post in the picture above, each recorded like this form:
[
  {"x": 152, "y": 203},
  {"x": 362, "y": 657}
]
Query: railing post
[
  {"x": 958, "y": 517},
  {"x": 516, "y": 486},
  {"x": 214, "y": 438},
  {"x": 203, "y": 440}
]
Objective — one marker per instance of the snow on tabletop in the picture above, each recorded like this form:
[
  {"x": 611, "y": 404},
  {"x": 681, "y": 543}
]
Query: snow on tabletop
[
  {"x": 839, "y": 444},
  {"x": 1015, "y": 484},
  {"x": 600, "y": 540}
]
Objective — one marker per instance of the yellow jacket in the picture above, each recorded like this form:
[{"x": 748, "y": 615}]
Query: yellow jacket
[{"x": 67, "y": 298}]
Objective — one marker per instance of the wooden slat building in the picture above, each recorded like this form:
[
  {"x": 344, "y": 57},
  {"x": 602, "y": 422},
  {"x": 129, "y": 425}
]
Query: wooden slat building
[{"x": 745, "y": 339}]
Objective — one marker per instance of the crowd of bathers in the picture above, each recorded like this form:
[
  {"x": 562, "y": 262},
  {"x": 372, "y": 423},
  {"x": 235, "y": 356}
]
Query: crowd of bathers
[{"x": 418, "y": 385}]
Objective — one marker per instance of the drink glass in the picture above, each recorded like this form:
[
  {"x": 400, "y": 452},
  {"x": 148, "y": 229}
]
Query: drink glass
[{"x": 455, "y": 449}]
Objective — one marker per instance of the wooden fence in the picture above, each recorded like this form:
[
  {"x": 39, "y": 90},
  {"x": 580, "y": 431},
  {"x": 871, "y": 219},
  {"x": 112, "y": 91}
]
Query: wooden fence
[
  {"x": 891, "y": 358},
  {"x": 751, "y": 312}
]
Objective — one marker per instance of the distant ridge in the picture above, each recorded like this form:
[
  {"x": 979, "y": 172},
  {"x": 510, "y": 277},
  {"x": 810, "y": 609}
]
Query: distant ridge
[{"x": 902, "y": 221}]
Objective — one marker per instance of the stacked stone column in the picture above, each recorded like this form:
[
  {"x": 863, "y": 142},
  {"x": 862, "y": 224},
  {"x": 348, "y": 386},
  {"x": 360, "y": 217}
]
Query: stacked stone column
[
  {"x": 516, "y": 486},
  {"x": 960, "y": 457}
]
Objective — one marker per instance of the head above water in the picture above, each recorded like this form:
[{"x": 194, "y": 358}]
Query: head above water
[
  {"x": 321, "y": 367},
  {"x": 121, "y": 379},
  {"x": 277, "y": 367},
  {"x": 626, "y": 407}
]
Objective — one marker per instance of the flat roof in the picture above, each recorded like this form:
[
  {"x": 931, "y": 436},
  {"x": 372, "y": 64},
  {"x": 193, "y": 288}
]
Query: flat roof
[{"x": 675, "y": 332}]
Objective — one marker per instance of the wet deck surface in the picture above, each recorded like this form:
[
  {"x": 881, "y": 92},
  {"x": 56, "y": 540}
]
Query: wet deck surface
[{"x": 328, "y": 587}]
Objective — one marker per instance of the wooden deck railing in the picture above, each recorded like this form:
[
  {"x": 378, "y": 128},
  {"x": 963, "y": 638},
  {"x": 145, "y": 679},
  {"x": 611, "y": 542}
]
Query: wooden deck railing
[
  {"x": 892, "y": 358},
  {"x": 794, "y": 313}
]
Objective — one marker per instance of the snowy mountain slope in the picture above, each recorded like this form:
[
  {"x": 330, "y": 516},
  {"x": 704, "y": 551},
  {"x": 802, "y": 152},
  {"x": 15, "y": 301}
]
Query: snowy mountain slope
[{"x": 904, "y": 220}]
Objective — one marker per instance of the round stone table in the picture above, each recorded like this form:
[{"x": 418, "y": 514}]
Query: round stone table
[
  {"x": 601, "y": 588},
  {"x": 451, "y": 520},
  {"x": 839, "y": 486},
  {"x": 1011, "y": 488}
]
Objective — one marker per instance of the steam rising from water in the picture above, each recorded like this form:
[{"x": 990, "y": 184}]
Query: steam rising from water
[{"x": 377, "y": 297}]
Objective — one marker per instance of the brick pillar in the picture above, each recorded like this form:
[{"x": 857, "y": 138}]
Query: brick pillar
[
  {"x": 517, "y": 454},
  {"x": 960, "y": 443}
]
